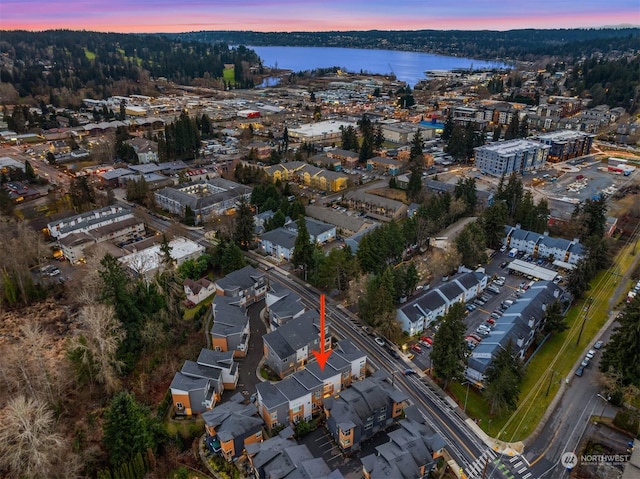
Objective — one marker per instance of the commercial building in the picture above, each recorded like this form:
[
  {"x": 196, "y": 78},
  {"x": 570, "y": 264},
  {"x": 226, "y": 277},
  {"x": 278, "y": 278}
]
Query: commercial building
[
  {"x": 322, "y": 131},
  {"x": 513, "y": 156},
  {"x": 566, "y": 144}
]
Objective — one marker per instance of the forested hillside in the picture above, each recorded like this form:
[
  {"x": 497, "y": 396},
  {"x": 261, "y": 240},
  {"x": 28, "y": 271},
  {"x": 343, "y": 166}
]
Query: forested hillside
[
  {"x": 62, "y": 66},
  {"x": 513, "y": 44}
]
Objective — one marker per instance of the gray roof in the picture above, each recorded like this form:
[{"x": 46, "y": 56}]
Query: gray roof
[
  {"x": 270, "y": 396},
  {"x": 183, "y": 382},
  {"x": 281, "y": 237},
  {"x": 195, "y": 370},
  {"x": 85, "y": 220},
  {"x": 288, "y": 303},
  {"x": 291, "y": 389},
  {"x": 451, "y": 290},
  {"x": 229, "y": 317},
  {"x": 346, "y": 349},
  {"x": 314, "y": 227},
  {"x": 241, "y": 279},
  {"x": 219, "y": 190},
  {"x": 233, "y": 419},
  {"x": 468, "y": 280},
  {"x": 215, "y": 359},
  {"x": 308, "y": 380},
  {"x": 294, "y": 334}
]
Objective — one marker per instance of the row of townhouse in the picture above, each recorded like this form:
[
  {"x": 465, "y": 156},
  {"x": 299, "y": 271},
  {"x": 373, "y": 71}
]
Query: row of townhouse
[
  {"x": 412, "y": 450},
  {"x": 198, "y": 386},
  {"x": 418, "y": 314},
  {"x": 360, "y": 412},
  {"x": 282, "y": 305},
  {"x": 378, "y": 207},
  {"x": 288, "y": 348},
  {"x": 308, "y": 175},
  {"x": 302, "y": 394},
  {"x": 517, "y": 327},
  {"x": 543, "y": 245},
  {"x": 281, "y": 457}
]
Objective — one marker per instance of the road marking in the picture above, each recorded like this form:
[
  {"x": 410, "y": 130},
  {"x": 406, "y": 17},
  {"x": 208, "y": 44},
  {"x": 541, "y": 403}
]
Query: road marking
[
  {"x": 522, "y": 470},
  {"x": 526, "y": 476},
  {"x": 514, "y": 459},
  {"x": 518, "y": 464}
]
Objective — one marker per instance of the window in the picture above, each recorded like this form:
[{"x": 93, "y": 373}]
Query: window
[
  {"x": 274, "y": 415},
  {"x": 368, "y": 426},
  {"x": 382, "y": 417},
  {"x": 179, "y": 405}
]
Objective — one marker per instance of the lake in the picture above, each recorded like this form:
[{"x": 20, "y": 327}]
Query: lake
[{"x": 407, "y": 66}]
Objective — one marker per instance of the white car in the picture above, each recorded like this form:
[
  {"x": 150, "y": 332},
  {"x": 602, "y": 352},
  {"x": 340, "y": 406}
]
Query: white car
[
  {"x": 379, "y": 341},
  {"x": 591, "y": 354}
]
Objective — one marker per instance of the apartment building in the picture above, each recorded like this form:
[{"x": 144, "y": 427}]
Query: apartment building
[
  {"x": 230, "y": 329},
  {"x": 566, "y": 144},
  {"x": 512, "y": 156},
  {"x": 543, "y": 245},
  {"x": 246, "y": 285},
  {"x": 282, "y": 305}
]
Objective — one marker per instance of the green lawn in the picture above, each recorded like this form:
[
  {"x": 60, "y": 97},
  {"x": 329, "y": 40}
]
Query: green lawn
[
  {"x": 553, "y": 363},
  {"x": 229, "y": 75},
  {"x": 189, "y": 313}
]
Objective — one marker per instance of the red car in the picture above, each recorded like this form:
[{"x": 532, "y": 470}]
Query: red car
[
  {"x": 416, "y": 348},
  {"x": 426, "y": 339},
  {"x": 491, "y": 321}
]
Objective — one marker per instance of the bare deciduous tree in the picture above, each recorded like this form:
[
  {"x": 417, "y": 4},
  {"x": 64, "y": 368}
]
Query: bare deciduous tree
[
  {"x": 95, "y": 347},
  {"x": 29, "y": 445}
]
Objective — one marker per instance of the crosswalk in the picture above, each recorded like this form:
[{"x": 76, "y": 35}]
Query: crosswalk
[
  {"x": 513, "y": 468},
  {"x": 477, "y": 467}
]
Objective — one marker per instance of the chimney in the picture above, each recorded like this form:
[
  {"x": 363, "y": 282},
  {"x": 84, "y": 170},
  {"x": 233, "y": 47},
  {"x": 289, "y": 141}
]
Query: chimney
[
  {"x": 518, "y": 226},
  {"x": 546, "y": 233}
]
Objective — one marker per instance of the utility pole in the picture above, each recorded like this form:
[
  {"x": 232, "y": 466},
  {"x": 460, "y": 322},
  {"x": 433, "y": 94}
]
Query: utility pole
[{"x": 586, "y": 313}]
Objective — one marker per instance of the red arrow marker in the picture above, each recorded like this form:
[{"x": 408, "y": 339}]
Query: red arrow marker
[{"x": 322, "y": 355}]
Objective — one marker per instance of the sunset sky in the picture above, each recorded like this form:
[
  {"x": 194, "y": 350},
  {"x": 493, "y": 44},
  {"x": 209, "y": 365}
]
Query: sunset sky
[{"x": 301, "y": 15}]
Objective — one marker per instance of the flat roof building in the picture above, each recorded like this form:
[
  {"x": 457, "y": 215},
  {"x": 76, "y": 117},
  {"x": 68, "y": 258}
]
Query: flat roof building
[{"x": 513, "y": 156}]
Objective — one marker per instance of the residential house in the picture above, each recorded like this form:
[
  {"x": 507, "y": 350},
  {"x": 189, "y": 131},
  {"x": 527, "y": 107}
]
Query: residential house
[
  {"x": 412, "y": 450},
  {"x": 199, "y": 385},
  {"x": 517, "y": 326},
  {"x": 230, "y": 330},
  {"x": 288, "y": 348},
  {"x": 198, "y": 291},
  {"x": 146, "y": 150},
  {"x": 224, "y": 362},
  {"x": 282, "y": 305},
  {"x": 319, "y": 232},
  {"x": 146, "y": 262},
  {"x": 192, "y": 395},
  {"x": 247, "y": 285},
  {"x": 231, "y": 426},
  {"x": 359, "y": 412},
  {"x": 278, "y": 243}
]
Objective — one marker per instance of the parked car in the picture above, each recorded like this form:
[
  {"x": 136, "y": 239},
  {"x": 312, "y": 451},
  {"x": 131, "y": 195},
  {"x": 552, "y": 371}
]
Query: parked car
[
  {"x": 598, "y": 344},
  {"x": 471, "y": 339},
  {"x": 585, "y": 362},
  {"x": 591, "y": 354},
  {"x": 416, "y": 348},
  {"x": 380, "y": 341},
  {"x": 491, "y": 321},
  {"x": 503, "y": 265},
  {"x": 427, "y": 339},
  {"x": 394, "y": 354},
  {"x": 476, "y": 337},
  {"x": 580, "y": 371},
  {"x": 408, "y": 372}
]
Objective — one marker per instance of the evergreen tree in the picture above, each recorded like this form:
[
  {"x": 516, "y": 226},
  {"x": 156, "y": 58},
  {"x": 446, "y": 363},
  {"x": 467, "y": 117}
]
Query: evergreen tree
[
  {"x": 513, "y": 130},
  {"x": 447, "y": 130},
  {"x": 472, "y": 244},
  {"x": 493, "y": 220},
  {"x": 129, "y": 429},
  {"x": 244, "y": 232},
  {"x": 28, "y": 171},
  {"x": 554, "y": 321},
  {"x": 416, "y": 166},
  {"x": 303, "y": 247},
  {"x": 165, "y": 252},
  {"x": 621, "y": 356},
  {"x": 466, "y": 189},
  {"x": 449, "y": 353},
  {"x": 502, "y": 381}
]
